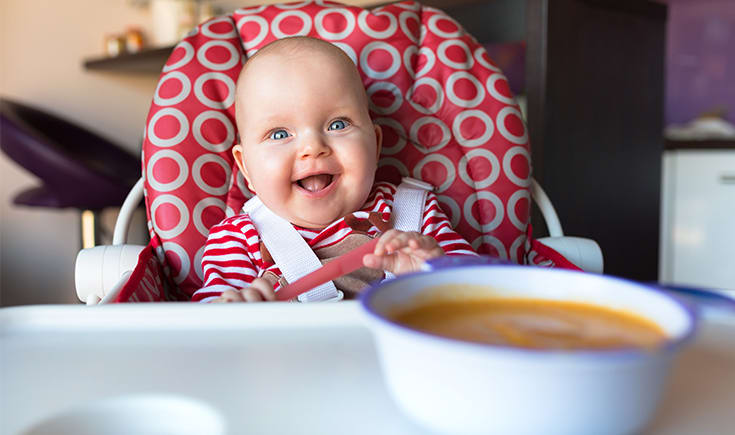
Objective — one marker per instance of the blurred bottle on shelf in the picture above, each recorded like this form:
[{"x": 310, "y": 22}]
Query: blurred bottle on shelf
[{"x": 133, "y": 40}]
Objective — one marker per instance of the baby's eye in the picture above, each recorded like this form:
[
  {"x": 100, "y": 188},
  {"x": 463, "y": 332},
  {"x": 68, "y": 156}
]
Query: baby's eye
[
  {"x": 279, "y": 134},
  {"x": 338, "y": 125}
]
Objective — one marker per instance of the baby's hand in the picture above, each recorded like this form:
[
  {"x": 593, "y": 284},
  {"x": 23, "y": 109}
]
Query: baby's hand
[
  {"x": 260, "y": 290},
  {"x": 402, "y": 252}
]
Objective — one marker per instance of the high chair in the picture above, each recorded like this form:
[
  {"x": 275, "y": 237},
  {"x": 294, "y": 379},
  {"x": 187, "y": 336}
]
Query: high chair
[{"x": 447, "y": 115}]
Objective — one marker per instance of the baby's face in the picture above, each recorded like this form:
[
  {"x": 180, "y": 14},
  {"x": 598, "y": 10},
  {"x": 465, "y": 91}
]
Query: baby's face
[{"x": 308, "y": 146}]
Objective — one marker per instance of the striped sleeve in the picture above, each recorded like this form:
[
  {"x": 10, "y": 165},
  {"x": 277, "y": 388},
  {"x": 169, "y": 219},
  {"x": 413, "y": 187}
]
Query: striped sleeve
[
  {"x": 436, "y": 224},
  {"x": 227, "y": 260}
]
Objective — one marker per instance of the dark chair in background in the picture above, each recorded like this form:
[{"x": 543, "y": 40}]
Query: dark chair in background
[{"x": 77, "y": 167}]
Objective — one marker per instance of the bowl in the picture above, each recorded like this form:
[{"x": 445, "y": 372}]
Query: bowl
[{"x": 456, "y": 386}]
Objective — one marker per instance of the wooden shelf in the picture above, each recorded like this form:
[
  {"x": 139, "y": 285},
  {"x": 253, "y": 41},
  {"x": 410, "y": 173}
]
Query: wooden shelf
[{"x": 147, "y": 61}]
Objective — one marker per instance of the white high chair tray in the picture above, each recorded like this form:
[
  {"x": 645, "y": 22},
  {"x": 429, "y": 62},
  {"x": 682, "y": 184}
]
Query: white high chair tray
[{"x": 270, "y": 368}]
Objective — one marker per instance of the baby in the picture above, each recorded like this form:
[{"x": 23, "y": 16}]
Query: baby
[{"x": 309, "y": 149}]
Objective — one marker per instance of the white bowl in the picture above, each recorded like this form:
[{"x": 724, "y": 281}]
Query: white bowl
[{"x": 455, "y": 386}]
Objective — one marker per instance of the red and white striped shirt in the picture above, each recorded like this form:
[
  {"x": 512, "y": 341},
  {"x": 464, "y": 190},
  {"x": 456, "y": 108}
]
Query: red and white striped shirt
[{"x": 232, "y": 258}]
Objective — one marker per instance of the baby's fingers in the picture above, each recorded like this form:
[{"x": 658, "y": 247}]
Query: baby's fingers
[
  {"x": 252, "y": 295},
  {"x": 229, "y": 296},
  {"x": 264, "y": 288},
  {"x": 394, "y": 240}
]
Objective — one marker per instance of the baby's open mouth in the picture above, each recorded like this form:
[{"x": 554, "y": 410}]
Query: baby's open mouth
[{"x": 315, "y": 183}]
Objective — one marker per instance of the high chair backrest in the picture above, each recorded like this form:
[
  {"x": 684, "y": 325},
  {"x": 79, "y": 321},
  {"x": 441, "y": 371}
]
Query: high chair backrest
[{"x": 446, "y": 111}]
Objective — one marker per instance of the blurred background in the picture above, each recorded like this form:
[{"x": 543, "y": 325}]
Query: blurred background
[{"x": 55, "y": 56}]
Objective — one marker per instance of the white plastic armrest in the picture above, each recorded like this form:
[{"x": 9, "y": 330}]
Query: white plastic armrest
[
  {"x": 101, "y": 272},
  {"x": 584, "y": 253},
  {"x": 120, "y": 234},
  {"x": 547, "y": 210}
]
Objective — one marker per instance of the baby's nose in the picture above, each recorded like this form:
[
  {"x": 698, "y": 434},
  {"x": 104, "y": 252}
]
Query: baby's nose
[{"x": 313, "y": 146}]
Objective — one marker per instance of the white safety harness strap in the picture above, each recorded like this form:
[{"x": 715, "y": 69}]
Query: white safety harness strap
[
  {"x": 294, "y": 257},
  {"x": 289, "y": 250},
  {"x": 408, "y": 204},
  {"x": 408, "y": 207}
]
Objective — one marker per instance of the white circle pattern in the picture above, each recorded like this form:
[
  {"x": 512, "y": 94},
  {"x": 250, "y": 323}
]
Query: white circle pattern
[
  {"x": 377, "y": 34},
  {"x": 262, "y": 33},
  {"x": 181, "y": 96},
  {"x": 385, "y": 86},
  {"x": 512, "y": 201},
  {"x": 456, "y": 99},
  {"x": 305, "y": 28},
  {"x": 427, "y": 81},
  {"x": 199, "y": 210},
  {"x": 500, "y": 121},
  {"x": 171, "y": 185},
  {"x": 517, "y": 243},
  {"x": 399, "y": 131},
  {"x": 492, "y": 241},
  {"x": 178, "y": 137},
  {"x": 231, "y": 62},
  {"x": 224, "y": 78},
  {"x": 433, "y": 26},
  {"x": 441, "y": 52},
  {"x": 198, "y": 263},
  {"x": 379, "y": 75},
  {"x": 326, "y": 34},
  {"x": 494, "y": 200},
  {"x": 508, "y": 169},
  {"x": 444, "y": 161},
  {"x": 414, "y": 134},
  {"x": 430, "y": 61},
  {"x": 183, "y": 259},
  {"x": 199, "y": 136},
  {"x": 196, "y": 174},
  {"x": 407, "y": 61},
  {"x": 403, "y": 20},
  {"x": 479, "y": 52},
  {"x": 456, "y": 213},
  {"x": 206, "y": 31},
  {"x": 183, "y": 215},
  {"x": 457, "y": 128},
  {"x": 492, "y": 161},
  {"x": 394, "y": 162},
  {"x": 188, "y": 56},
  {"x": 494, "y": 92}
]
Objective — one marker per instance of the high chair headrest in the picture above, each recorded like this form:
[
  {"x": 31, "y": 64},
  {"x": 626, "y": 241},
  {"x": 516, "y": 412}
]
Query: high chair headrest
[{"x": 446, "y": 110}]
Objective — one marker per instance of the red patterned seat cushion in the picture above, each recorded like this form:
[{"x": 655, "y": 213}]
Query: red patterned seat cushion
[{"x": 447, "y": 114}]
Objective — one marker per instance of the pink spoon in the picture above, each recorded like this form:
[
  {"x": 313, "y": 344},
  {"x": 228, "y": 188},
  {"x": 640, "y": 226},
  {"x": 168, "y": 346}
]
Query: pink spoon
[{"x": 342, "y": 265}]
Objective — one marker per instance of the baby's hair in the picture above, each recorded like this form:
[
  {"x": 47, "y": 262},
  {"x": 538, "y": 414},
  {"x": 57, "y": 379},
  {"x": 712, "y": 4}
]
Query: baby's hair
[{"x": 294, "y": 45}]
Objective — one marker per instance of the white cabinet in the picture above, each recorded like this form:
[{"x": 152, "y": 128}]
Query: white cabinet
[{"x": 698, "y": 219}]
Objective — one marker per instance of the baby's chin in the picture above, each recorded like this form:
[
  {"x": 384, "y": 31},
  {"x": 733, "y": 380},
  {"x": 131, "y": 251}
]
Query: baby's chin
[{"x": 316, "y": 222}]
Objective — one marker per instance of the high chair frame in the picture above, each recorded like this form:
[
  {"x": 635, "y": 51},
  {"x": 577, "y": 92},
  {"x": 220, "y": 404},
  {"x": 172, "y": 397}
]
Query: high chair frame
[{"x": 432, "y": 76}]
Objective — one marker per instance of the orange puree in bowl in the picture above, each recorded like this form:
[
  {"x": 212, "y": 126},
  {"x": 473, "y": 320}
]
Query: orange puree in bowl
[{"x": 533, "y": 323}]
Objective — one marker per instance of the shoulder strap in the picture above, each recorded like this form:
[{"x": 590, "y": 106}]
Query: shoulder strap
[
  {"x": 409, "y": 202},
  {"x": 407, "y": 213},
  {"x": 289, "y": 250}
]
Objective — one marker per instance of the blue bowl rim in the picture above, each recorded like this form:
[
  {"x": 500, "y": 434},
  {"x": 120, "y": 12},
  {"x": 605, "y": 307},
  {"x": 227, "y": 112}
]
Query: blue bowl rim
[{"x": 671, "y": 346}]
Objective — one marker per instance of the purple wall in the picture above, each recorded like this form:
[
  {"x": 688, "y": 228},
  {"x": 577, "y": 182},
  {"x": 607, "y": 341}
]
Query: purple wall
[{"x": 700, "y": 65}]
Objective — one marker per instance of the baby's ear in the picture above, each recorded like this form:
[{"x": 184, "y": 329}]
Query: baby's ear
[
  {"x": 237, "y": 153},
  {"x": 378, "y": 139}
]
